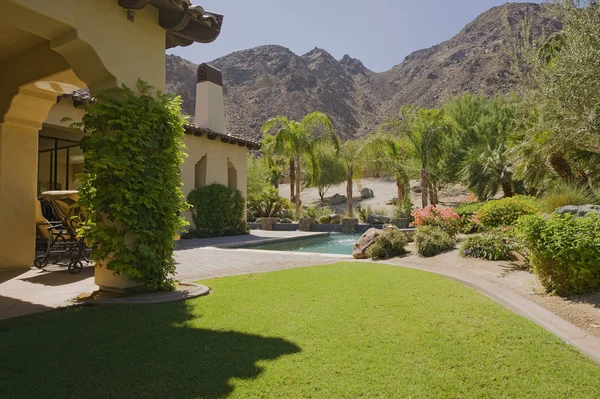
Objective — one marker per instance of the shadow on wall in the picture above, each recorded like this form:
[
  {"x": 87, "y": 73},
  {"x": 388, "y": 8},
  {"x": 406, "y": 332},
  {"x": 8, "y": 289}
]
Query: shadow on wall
[{"x": 99, "y": 352}]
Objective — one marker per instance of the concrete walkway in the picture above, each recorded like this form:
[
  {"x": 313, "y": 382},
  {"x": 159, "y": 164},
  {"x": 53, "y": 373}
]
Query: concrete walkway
[
  {"x": 37, "y": 290},
  {"x": 32, "y": 291}
]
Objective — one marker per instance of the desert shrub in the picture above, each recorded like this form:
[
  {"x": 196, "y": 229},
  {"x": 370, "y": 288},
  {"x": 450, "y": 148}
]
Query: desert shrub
[
  {"x": 268, "y": 204},
  {"x": 389, "y": 244},
  {"x": 468, "y": 223},
  {"x": 469, "y": 209},
  {"x": 496, "y": 244},
  {"x": 316, "y": 212},
  {"x": 432, "y": 240},
  {"x": 217, "y": 210},
  {"x": 563, "y": 194},
  {"x": 363, "y": 213},
  {"x": 330, "y": 219},
  {"x": 505, "y": 211},
  {"x": 404, "y": 211},
  {"x": 446, "y": 219},
  {"x": 564, "y": 251}
]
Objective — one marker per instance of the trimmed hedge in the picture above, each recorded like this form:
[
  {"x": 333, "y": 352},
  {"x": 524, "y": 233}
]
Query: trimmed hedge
[
  {"x": 431, "y": 240},
  {"x": 564, "y": 251},
  {"x": 388, "y": 244},
  {"x": 217, "y": 211},
  {"x": 506, "y": 211}
]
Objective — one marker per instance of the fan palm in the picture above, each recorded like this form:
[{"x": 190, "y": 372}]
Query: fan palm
[{"x": 297, "y": 140}]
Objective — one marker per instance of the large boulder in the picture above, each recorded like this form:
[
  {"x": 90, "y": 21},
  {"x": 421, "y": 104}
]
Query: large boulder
[
  {"x": 378, "y": 219},
  {"x": 417, "y": 189},
  {"x": 366, "y": 193},
  {"x": 578, "y": 210},
  {"x": 337, "y": 199},
  {"x": 364, "y": 242}
]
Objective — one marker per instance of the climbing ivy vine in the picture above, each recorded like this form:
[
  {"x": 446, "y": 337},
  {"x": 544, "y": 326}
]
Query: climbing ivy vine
[{"x": 131, "y": 189}]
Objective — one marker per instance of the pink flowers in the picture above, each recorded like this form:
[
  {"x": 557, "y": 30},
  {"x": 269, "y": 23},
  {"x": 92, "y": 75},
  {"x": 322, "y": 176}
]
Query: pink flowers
[
  {"x": 468, "y": 199},
  {"x": 445, "y": 218}
]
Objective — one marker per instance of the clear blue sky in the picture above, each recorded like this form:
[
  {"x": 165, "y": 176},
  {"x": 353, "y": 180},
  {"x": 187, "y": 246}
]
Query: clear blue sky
[{"x": 380, "y": 33}]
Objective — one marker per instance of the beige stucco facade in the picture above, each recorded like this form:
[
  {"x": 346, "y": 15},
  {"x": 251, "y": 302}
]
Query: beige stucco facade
[
  {"x": 224, "y": 164},
  {"x": 48, "y": 48}
]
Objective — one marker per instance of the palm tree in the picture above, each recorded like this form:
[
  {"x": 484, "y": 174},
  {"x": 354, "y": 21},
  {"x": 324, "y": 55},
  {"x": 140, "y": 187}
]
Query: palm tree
[
  {"x": 425, "y": 132},
  {"x": 297, "y": 140},
  {"x": 351, "y": 153},
  {"x": 390, "y": 155}
]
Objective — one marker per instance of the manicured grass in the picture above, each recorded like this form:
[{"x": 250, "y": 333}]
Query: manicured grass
[{"x": 347, "y": 330}]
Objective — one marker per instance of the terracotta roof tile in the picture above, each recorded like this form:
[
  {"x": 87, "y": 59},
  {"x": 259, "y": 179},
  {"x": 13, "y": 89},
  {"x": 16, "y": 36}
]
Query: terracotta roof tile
[{"x": 83, "y": 97}]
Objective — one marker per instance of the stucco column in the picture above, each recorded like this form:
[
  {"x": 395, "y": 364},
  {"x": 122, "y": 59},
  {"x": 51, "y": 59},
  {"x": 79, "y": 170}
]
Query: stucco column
[{"x": 18, "y": 189}]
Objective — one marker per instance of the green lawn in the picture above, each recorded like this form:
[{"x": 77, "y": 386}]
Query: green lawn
[{"x": 347, "y": 330}]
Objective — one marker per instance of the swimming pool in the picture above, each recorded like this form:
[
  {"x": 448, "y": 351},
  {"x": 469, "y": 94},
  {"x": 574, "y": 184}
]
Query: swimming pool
[{"x": 335, "y": 243}]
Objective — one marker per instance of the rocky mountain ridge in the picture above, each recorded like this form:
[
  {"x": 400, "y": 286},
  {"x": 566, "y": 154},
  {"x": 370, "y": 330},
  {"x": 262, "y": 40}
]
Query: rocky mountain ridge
[{"x": 271, "y": 80}]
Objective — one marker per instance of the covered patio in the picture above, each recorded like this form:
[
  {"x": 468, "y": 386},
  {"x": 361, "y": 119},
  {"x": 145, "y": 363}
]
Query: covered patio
[{"x": 49, "y": 48}]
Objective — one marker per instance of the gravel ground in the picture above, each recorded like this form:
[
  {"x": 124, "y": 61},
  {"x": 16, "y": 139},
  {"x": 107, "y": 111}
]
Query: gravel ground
[{"x": 383, "y": 188}]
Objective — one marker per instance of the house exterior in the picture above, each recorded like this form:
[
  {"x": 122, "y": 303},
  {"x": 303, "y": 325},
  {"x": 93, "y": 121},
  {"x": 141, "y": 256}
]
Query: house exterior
[{"x": 49, "y": 51}]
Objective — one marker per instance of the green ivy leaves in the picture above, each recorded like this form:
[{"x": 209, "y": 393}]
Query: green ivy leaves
[{"x": 133, "y": 146}]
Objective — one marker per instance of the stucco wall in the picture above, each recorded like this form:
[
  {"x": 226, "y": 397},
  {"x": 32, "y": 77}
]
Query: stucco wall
[{"x": 217, "y": 156}]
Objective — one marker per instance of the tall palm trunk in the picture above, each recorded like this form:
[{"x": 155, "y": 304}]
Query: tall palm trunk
[
  {"x": 292, "y": 178},
  {"x": 507, "y": 188},
  {"x": 562, "y": 168},
  {"x": 349, "y": 192},
  {"x": 424, "y": 186},
  {"x": 298, "y": 176},
  {"x": 433, "y": 192},
  {"x": 401, "y": 190}
]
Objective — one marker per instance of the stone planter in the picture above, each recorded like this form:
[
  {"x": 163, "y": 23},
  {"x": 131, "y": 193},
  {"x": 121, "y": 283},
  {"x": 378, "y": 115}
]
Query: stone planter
[
  {"x": 349, "y": 225},
  {"x": 268, "y": 223},
  {"x": 305, "y": 223},
  {"x": 401, "y": 223}
]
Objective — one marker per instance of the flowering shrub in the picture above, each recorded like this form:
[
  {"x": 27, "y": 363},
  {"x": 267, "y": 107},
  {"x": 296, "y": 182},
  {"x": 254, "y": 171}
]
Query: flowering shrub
[
  {"x": 445, "y": 218},
  {"x": 505, "y": 211},
  {"x": 469, "y": 223},
  {"x": 468, "y": 199}
]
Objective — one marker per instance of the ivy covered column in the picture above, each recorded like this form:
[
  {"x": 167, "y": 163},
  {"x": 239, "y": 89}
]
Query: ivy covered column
[{"x": 133, "y": 148}]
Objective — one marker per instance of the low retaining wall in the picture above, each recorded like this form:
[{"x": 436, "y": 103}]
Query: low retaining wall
[{"x": 322, "y": 228}]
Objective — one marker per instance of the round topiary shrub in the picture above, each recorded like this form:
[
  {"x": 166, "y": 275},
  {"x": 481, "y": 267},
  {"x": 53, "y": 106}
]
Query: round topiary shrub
[
  {"x": 494, "y": 245},
  {"x": 432, "y": 240},
  {"x": 388, "y": 244},
  {"x": 217, "y": 210},
  {"x": 505, "y": 211}
]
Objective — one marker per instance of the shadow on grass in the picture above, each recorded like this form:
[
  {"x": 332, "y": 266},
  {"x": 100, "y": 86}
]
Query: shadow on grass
[{"x": 153, "y": 351}]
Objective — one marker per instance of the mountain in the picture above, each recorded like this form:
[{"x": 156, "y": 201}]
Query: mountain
[{"x": 271, "y": 80}]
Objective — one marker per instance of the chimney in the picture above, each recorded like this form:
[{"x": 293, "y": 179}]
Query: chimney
[{"x": 210, "y": 110}]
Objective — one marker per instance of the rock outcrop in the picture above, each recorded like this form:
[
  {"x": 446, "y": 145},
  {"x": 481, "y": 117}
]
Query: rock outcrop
[{"x": 266, "y": 81}]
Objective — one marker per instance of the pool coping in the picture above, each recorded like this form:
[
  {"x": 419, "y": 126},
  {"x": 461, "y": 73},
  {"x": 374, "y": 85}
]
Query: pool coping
[{"x": 273, "y": 240}]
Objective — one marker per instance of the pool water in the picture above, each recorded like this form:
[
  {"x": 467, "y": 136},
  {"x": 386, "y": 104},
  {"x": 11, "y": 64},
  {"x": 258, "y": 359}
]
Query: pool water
[{"x": 335, "y": 243}]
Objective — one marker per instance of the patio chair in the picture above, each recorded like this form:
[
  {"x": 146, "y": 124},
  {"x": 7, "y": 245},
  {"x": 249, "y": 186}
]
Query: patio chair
[{"x": 61, "y": 236}]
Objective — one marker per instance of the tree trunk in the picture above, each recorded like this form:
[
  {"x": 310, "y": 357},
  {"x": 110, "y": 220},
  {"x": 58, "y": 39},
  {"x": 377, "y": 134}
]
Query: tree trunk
[
  {"x": 298, "y": 176},
  {"x": 434, "y": 193},
  {"x": 424, "y": 186},
  {"x": 562, "y": 168},
  {"x": 292, "y": 178},
  {"x": 401, "y": 191},
  {"x": 507, "y": 188},
  {"x": 349, "y": 192},
  {"x": 321, "y": 194}
]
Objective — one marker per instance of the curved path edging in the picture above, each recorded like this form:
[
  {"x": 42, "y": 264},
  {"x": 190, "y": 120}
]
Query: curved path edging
[{"x": 587, "y": 344}]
